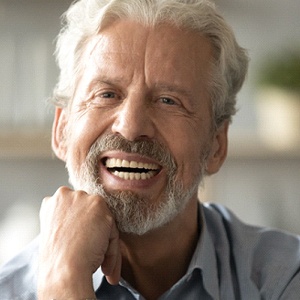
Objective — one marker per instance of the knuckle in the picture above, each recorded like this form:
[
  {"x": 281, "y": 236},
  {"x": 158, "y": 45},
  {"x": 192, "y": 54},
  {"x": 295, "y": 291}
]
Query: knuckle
[
  {"x": 97, "y": 200},
  {"x": 62, "y": 190},
  {"x": 45, "y": 200},
  {"x": 81, "y": 193},
  {"x": 45, "y": 203}
]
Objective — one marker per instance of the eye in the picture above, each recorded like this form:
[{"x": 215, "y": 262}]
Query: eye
[
  {"x": 107, "y": 95},
  {"x": 168, "y": 101},
  {"x": 103, "y": 98}
]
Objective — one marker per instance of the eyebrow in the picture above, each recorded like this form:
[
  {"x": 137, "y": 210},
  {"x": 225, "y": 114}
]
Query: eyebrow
[
  {"x": 174, "y": 88},
  {"x": 105, "y": 80},
  {"x": 161, "y": 86}
]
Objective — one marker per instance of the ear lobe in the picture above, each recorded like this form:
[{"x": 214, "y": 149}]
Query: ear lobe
[
  {"x": 58, "y": 140},
  {"x": 218, "y": 151}
]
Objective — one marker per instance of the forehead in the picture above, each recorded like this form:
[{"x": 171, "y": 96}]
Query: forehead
[{"x": 162, "y": 52}]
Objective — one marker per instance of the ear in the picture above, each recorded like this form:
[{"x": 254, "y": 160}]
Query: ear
[
  {"x": 58, "y": 133},
  {"x": 218, "y": 151}
]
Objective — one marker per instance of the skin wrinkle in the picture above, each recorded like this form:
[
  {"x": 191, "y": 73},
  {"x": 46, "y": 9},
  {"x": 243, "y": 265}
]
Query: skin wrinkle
[
  {"x": 129, "y": 218},
  {"x": 153, "y": 108},
  {"x": 138, "y": 90},
  {"x": 96, "y": 83},
  {"x": 82, "y": 64},
  {"x": 150, "y": 55}
]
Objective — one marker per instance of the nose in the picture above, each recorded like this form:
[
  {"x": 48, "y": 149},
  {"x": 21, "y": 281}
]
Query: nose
[{"x": 133, "y": 120}]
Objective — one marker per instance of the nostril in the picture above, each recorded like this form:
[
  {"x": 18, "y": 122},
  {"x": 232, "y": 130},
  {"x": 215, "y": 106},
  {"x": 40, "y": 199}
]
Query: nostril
[{"x": 133, "y": 126}]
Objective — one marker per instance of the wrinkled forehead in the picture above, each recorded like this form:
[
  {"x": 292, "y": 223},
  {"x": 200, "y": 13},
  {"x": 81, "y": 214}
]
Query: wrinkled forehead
[{"x": 163, "y": 50}]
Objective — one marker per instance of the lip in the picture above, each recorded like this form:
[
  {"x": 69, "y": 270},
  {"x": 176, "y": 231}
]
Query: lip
[{"x": 116, "y": 183}]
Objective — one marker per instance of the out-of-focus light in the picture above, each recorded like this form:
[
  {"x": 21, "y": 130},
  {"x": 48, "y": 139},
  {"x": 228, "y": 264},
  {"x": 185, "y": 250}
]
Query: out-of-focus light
[
  {"x": 18, "y": 227},
  {"x": 279, "y": 118}
]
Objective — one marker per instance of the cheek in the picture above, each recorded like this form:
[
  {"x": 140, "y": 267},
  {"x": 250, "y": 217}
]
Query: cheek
[
  {"x": 81, "y": 133},
  {"x": 187, "y": 147},
  {"x": 189, "y": 161},
  {"x": 86, "y": 126}
]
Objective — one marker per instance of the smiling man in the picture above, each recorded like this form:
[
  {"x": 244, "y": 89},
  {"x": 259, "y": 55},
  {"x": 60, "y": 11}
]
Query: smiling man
[{"x": 145, "y": 97}]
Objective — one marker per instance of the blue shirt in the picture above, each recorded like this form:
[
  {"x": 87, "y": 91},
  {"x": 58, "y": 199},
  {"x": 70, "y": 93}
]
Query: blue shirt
[{"x": 232, "y": 260}]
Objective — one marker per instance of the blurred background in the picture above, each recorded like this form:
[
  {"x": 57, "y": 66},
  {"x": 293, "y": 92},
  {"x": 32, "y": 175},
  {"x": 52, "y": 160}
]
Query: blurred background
[{"x": 260, "y": 180}]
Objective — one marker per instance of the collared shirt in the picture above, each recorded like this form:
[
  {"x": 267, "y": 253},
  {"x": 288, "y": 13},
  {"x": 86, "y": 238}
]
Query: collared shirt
[{"x": 232, "y": 260}]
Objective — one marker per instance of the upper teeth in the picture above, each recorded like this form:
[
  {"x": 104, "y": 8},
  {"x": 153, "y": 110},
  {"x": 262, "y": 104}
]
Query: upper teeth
[
  {"x": 147, "y": 171},
  {"x": 117, "y": 163}
]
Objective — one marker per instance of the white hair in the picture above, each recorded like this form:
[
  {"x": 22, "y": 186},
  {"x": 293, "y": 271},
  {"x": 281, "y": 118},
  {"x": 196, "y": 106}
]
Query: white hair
[{"x": 86, "y": 18}]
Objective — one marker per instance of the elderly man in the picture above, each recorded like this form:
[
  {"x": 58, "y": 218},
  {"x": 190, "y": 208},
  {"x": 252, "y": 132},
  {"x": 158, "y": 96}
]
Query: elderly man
[{"x": 146, "y": 93}]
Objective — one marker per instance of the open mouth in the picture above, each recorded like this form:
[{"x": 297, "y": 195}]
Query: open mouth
[{"x": 131, "y": 170}]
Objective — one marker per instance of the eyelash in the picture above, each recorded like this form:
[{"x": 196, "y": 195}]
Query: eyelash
[
  {"x": 168, "y": 101},
  {"x": 111, "y": 95},
  {"x": 105, "y": 94}
]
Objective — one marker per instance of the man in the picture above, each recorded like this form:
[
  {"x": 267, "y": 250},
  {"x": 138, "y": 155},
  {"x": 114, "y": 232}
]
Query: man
[{"x": 146, "y": 93}]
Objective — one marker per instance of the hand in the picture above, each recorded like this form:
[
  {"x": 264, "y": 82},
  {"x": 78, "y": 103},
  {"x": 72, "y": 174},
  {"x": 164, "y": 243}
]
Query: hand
[{"x": 78, "y": 235}]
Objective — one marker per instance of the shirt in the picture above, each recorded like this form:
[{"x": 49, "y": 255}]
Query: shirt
[{"x": 232, "y": 260}]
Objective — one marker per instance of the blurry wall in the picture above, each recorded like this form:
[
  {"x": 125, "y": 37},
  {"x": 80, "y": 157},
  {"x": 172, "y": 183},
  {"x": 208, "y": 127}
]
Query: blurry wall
[
  {"x": 261, "y": 185},
  {"x": 28, "y": 171}
]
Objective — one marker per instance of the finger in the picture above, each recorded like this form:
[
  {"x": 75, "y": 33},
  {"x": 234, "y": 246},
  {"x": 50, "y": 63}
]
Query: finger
[
  {"x": 115, "y": 276},
  {"x": 43, "y": 204},
  {"x": 111, "y": 263}
]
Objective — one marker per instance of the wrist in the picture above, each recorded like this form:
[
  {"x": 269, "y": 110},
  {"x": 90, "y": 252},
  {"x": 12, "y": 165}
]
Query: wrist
[{"x": 64, "y": 285}]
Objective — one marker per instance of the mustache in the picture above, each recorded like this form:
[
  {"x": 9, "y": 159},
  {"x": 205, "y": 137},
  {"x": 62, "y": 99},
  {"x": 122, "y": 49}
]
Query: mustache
[{"x": 146, "y": 148}]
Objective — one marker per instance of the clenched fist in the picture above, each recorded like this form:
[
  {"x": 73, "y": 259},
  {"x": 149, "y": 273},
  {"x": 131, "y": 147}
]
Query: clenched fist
[{"x": 78, "y": 235}]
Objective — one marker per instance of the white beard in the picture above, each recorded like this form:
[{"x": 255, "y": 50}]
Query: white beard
[{"x": 133, "y": 213}]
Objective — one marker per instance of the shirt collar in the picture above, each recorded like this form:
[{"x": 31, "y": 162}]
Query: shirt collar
[{"x": 204, "y": 258}]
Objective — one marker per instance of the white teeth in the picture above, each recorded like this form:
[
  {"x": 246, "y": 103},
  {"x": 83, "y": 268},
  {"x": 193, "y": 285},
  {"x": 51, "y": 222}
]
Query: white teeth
[
  {"x": 117, "y": 163},
  {"x": 125, "y": 163},
  {"x": 133, "y": 164},
  {"x": 134, "y": 176}
]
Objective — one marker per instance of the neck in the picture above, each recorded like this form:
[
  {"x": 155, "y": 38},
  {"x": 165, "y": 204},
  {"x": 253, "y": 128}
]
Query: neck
[{"x": 154, "y": 262}]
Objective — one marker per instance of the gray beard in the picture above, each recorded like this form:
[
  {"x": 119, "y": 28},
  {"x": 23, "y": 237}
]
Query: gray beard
[{"x": 133, "y": 213}]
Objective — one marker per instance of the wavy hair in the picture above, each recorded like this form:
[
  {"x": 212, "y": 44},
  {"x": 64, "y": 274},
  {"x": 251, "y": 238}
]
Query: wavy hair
[{"x": 86, "y": 18}]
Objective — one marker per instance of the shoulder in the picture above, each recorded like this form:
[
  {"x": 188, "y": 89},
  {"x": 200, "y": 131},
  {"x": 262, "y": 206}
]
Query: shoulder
[
  {"x": 239, "y": 234},
  {"x": 267, "y": 257},
  {"x": 18, "y": 276}
]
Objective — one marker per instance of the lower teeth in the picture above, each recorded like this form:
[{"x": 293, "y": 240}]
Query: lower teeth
[{"x": 134, "y": 176}]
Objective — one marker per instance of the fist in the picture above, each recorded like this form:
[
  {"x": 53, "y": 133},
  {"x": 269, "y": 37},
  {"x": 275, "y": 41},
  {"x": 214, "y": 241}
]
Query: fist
[{"x": 78, "y": 235}]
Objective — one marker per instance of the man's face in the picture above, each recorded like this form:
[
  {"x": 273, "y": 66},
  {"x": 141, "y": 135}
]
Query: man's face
[{"x": 146, "y": 93}]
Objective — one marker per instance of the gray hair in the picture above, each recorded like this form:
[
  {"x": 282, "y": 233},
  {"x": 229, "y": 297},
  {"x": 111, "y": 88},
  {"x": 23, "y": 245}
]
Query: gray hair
[{"x": 86, "y": 18}]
